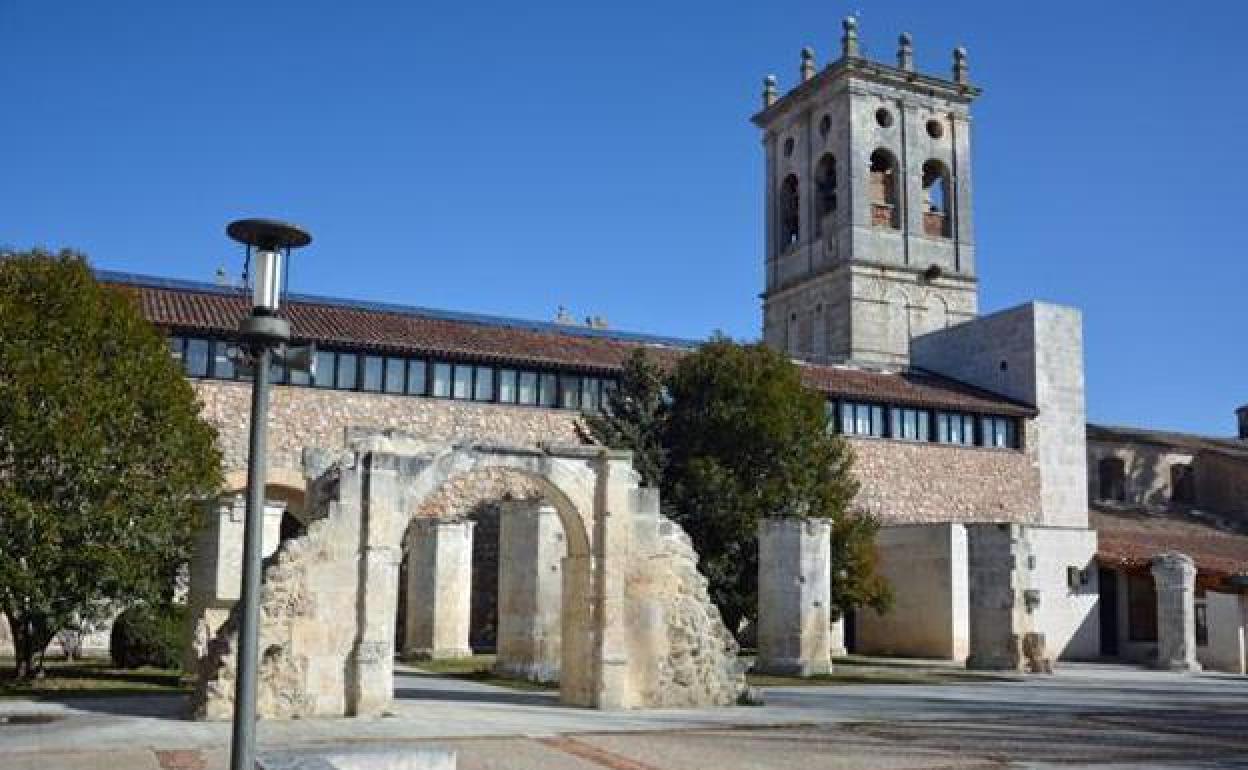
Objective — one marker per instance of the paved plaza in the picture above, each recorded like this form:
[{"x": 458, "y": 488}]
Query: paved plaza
[{"x": 1086, "y": 716}]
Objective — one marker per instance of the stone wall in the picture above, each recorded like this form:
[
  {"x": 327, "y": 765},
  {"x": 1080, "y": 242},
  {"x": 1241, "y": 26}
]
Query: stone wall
[
  {"x": 905, "y": 482},
  {"x": 1033, "y": 353},
  {"x": 926, "y": 566},
  {"x": 1146, "y": 471},
  {"x": 1222, "y": 484},
  {"x": 308, "y": 417}
]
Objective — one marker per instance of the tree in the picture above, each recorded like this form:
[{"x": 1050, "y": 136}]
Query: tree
[
  {"x": 745, "y": 439},
  {"x": 104, "y": 460},
  {"x": 633, "y": 418}
]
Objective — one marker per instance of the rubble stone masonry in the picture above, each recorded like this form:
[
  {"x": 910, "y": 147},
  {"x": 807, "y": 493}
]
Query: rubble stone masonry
[{"x": 902, "y": 481}]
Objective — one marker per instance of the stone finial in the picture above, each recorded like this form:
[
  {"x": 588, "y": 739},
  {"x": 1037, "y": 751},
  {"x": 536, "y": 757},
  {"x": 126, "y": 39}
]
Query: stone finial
[
  {"x": 960, "y": 66},
  {"x": 849, "y": 40},
  {"x": 905, "y": 52},
  {"x": 808, "y": 63},
  {"x": 769, "y": 91}
]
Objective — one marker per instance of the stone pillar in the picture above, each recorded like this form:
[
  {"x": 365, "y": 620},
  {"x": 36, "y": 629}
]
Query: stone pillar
[
  {"x": 216, "y": 568},
  {"x": 1175, "y": 576},
  {"x": 836, "y": 640},
  {"x": 996, "y": 563},
  {"x": 530, "y": 590},
  {"x": 370, "y": 680},
  {"x": 439, "y": 589},
  {"x": 794, "y": 596},
  {"x": 611, "y": 545}
]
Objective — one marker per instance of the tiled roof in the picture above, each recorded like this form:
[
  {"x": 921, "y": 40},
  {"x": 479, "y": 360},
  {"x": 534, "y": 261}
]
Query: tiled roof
[
  {"x": 1183, "y": 441},
  {"x": 197, "y": 308},
  {"x": 1131, "y": 539}
]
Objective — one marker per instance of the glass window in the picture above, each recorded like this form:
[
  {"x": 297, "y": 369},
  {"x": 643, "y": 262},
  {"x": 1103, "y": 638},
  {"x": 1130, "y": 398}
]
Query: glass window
[
  {"x": 325, "y": 360},
  {"x": 222, "y": 366},
  {"x": 546, "y": 391},
  {"x": 396, "y": 370},
  {"x": 569, "y": 392},
  {"x": 589, "y": 394},
  {"x": 526, "y": 392},
  {"x": 197, "y": 357},
  {"x": 507, "y": 386},
  {"x": 608, "y": 387},
  {"x": 347, "y": 374},
  {"x": 462, "y": 386},
  {"x": 175, "y": 348},
  {"x": 442, "y": 380},
  {"x": 298, "y": 377},
  {"x": 909, "y": 424},
  {"x": 416, "y": 378},
  {"x": 483, "y": 388},
  {"x": 997, "y": 431},
  {"x": 862, "y": 419},
  {"x": 955, "y": 428},
  {"x": 277, "y": 373},
  {"x": 372, "y": 373}
]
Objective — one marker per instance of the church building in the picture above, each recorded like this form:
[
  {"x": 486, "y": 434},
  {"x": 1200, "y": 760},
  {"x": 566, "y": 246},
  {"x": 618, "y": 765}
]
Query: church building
[{"x": 970, "y": 433}]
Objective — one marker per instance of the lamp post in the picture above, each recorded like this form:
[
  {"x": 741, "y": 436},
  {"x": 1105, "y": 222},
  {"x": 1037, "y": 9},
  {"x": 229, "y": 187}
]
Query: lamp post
[{"x": 264, "y": 336}]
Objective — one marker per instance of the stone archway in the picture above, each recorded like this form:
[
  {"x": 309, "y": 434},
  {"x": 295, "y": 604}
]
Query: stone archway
[{"x": 639, "y": 628}]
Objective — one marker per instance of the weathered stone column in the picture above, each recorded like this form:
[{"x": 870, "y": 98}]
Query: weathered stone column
[
  {"x": 530, "y": 590},
  {"x": 794, "y": 594},
  {"x": 439, "y": 589},
  {"x": 996, "y": 560},
  {"x": 1175, "y": 576},
  {"x": 612, "y": 551},
  {"x": 370, "y": 681}
]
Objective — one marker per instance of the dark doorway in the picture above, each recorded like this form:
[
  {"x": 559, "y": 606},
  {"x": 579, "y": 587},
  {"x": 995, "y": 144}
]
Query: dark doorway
[
  {"x": 1108, "y": 581},
  {"x": 851, "y": 632}
]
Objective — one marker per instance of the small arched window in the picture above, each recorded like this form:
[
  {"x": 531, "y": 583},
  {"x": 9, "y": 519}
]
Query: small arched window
[
  {"x": 825, "y": 190},
  {"x": 1113, "y": 479},
  {"x": 790, "y": 213},
  {"x": 884, "y": 209},
  {"x": 936, "y": 218}
]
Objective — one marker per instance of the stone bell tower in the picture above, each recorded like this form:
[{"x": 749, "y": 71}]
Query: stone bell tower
[{"x": 869, "y": 237}]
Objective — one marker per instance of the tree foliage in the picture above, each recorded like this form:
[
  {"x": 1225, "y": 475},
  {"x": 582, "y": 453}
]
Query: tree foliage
[
  {"x": 633, "y": 417},
  {"x": 741, "y": 439},
  {"x": 103, "y": 455}
]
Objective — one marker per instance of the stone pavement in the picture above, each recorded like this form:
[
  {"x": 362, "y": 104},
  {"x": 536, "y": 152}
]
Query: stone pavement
[{"x": 1087, "y": 716}]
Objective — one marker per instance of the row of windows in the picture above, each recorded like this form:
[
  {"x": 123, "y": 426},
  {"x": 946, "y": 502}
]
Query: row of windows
[
  {"x": 340, "y": 370},
  {"x": 396, "y": 375},
  {"x": 852, "y": 418}
]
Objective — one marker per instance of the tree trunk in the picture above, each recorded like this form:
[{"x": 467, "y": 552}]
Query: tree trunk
[{"x": 30, "y": 638}]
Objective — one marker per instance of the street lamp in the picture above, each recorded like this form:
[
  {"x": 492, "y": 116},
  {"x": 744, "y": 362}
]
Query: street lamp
[{"x": 264, "y": 337}]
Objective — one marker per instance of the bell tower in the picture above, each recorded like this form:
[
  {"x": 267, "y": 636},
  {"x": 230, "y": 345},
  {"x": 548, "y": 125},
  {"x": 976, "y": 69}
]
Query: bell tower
[{"x": 869, "y": 237}]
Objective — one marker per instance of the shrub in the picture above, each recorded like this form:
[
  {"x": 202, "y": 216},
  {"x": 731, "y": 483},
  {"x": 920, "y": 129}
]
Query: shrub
[{"x": 148, "y": 635}]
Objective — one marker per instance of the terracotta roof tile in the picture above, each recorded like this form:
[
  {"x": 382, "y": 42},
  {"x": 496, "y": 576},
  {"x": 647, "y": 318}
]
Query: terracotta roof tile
[
  {"x": 210, "y": 310},
  {"x": 1130, "y": 539}
]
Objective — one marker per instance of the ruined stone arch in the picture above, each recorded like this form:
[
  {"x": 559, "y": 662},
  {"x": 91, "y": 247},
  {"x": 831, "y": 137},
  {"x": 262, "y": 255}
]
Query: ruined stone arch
[
  {"x": 280, "y": 484},
  {"x": 329, "y": 598}
]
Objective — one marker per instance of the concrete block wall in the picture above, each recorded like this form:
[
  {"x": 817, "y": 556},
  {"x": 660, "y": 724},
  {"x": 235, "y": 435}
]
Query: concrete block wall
[
  {"x": 1033, "y": 353},
  {"x": 1227, "y": 618},
  {"x": 794, "y": 596},
  {"x": 927, "y": 569}
]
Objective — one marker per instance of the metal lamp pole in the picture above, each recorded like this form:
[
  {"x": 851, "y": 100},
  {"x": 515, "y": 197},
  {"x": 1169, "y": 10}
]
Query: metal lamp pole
[{"x": 264, "y": 336}]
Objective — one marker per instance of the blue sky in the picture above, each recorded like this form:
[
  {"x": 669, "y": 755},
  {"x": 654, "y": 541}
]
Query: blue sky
[{"x": 511, "y": 157}]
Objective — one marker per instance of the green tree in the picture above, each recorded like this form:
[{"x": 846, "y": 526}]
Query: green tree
[
  {"x": 633, "y": 417},
  {"x": 103, "y": 456},
  {"x": 745, "y": 439}
]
